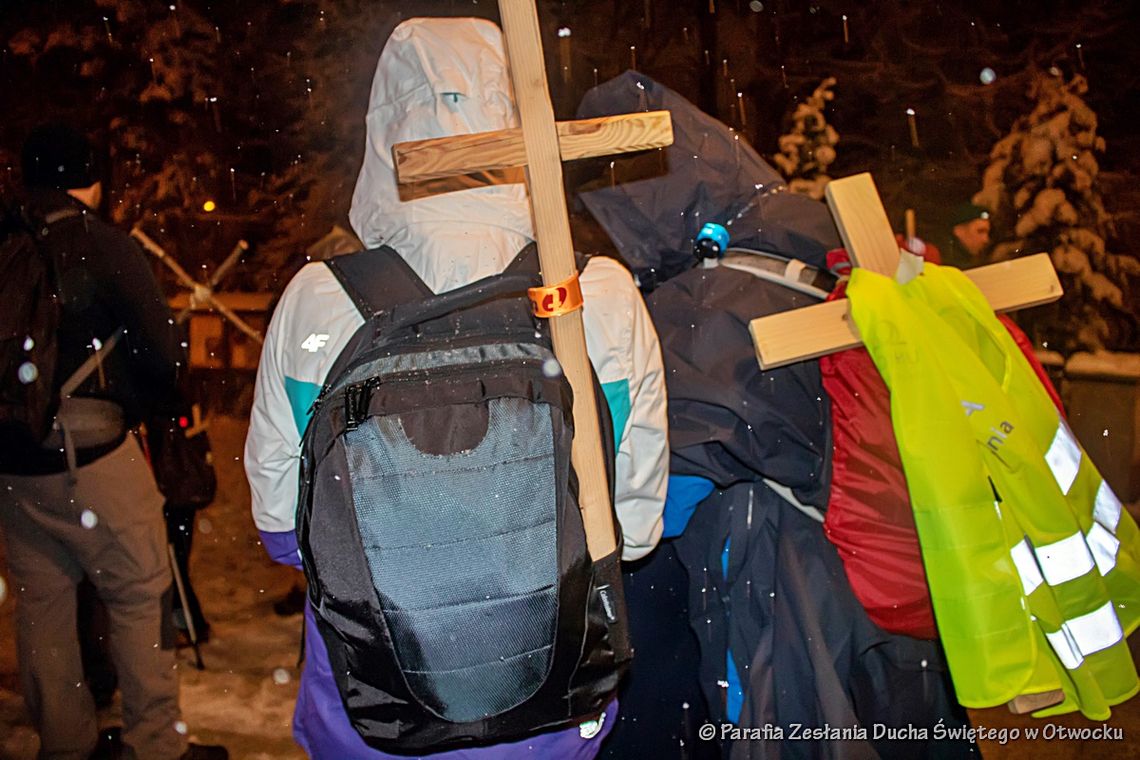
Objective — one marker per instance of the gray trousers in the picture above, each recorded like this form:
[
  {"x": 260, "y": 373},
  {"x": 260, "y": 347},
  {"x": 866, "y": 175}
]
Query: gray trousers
[{"x": 108, "y": 524}]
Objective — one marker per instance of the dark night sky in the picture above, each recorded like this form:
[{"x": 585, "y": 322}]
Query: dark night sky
[{"x": 898, "y": 54}]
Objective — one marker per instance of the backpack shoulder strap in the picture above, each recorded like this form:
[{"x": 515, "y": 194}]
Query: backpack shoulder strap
[
  {"x": 524, "y": 262},
  {"x": 377, "y": 279},
  {"x": 71, "y": 384}
]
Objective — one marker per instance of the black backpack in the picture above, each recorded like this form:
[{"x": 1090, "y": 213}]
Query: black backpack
[
  {"x": 438, "y": 519},
  {"x": 29, "y": 320}
]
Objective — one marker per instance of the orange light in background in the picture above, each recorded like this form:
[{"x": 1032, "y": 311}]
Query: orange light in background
[{"x": 209, "y": 206}]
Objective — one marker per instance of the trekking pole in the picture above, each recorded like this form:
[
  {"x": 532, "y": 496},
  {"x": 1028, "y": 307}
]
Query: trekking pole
[{"x": 186, "y": 615}]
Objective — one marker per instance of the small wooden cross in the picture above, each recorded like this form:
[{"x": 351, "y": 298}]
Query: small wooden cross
[
  {"x": 826, "y": 328},
  {"x": 202, "y": 293},
  {"x": 541, "y": 145}
]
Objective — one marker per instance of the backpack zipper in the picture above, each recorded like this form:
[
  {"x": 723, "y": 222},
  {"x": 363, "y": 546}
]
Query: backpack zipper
[{"x": 358, "y": 395}]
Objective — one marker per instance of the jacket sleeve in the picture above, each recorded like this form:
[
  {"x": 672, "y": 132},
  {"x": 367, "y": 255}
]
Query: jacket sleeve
[
  {"x": 289, "y": 377},
  {"x": 626, "y": 355},
  {"x": 643, "y": 453},
  {"x": 272, "y": 450}
]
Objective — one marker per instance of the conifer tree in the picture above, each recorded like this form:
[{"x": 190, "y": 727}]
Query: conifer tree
[
  {"x": 809, "y": 147},
  {"x": 1041, "y": 187}
]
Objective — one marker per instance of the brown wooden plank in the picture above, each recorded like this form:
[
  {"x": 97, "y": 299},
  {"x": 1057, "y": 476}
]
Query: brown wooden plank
[
  {"x": 814, "y": 331},
  {"x": 556, "y": 254},
  {"x": 441, "y": 157},
  {"x": 863, "y": 223},
  {"x": 610, "y": 135},
  {"x": 1018, "y": 283},
  {"x": 1027, "y": 703},
  {"x": 801, "y": 334},
  {"x": 234, "y": 300},
  {"x": 159, "y": 253}
]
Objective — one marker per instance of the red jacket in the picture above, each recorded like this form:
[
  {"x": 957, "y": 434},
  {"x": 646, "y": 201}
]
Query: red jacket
[{"x": 869, "y": 517}]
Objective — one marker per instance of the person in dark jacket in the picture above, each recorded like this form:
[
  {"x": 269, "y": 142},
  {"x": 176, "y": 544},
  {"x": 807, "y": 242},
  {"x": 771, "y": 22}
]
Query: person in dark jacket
[
  {"x": 87, "y": 503},
  {"x": 969, "y": 237}
]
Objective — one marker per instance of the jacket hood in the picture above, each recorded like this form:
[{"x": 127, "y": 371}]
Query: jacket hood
[{"x": 439, "y": 77}]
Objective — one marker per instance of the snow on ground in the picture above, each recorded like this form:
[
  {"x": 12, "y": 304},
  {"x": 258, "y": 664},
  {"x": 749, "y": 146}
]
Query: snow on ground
[{"x": 244, "y": 698}]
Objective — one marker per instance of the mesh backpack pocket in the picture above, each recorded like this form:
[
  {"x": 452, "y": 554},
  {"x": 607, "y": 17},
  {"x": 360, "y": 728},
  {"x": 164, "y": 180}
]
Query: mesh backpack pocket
[{"x": 463, "y": 552}]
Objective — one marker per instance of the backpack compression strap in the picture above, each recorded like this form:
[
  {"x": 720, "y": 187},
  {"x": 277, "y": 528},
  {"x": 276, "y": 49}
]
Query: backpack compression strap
[{"x": 379, "y": 279}]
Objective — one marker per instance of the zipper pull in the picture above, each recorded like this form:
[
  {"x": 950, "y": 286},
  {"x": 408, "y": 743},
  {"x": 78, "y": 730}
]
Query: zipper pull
[{"x": 356, "y": 398}]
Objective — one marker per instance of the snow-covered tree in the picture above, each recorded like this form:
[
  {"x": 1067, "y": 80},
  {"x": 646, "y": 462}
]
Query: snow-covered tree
[
  {"x": 149, "y": 81},
  {"x": 1041, "y": 187},
  {"x": 809, "y": 146}
]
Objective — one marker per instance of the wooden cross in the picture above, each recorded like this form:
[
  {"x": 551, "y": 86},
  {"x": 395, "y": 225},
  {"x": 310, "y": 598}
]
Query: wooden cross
[
  {"x": 825, "y": 328},
  {"x": 541, "y": 145},
  {"x": 202, "y": 293}
]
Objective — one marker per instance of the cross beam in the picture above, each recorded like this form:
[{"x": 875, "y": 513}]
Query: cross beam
[
  {"x": 544, "y": 144},
  {"x": 815, "y": 331},
  {"x": 441, "y": 157},
  {"x": 822, "y": 329}
]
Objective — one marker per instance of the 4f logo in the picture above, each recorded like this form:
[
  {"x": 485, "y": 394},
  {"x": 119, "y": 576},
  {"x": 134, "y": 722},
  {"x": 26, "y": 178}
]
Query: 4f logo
[{"x": 315, "y": 342}]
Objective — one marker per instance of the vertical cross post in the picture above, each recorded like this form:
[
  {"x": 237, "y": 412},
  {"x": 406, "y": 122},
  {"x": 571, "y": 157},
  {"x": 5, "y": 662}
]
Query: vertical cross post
[
  {"x": 541, "y": 145},
  {"x": 556, "y": 254}
]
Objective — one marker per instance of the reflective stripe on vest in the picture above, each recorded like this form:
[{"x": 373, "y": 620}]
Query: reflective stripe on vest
[
  {"x": 1064, "y": 457},
  {"x": 1026, "y": 565},
  {"x": 1086, "y": 635},
  {"x": 1036, "y": 590},
  {"x": 1107, "y": 508},
  {"x": 1065, "y": 560},
  {"x": 1104, "y": 547}
]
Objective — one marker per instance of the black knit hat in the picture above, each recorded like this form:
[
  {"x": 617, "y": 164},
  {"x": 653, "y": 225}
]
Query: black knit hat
[
  {"x": 57, "y": 155},
  {"x": 968, "y": 212}
]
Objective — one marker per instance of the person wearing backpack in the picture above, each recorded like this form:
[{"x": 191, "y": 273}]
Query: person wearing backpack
[
  {"x": 94, "y": 350},
  {"x": 434, "y": 421}
]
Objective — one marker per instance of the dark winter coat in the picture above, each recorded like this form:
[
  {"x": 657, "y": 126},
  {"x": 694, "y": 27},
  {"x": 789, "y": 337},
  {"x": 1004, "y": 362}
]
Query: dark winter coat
[
  {"x": 106, "y": 283},
  {"x": 809, "y": 656},
  {"x": 766, "y": 587},
  {"x": 709, "y": 174},
  {"x": 728, "y": 421}
]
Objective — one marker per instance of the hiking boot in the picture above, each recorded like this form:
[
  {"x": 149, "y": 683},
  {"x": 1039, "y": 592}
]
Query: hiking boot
[{"x": 205, "y": 752}]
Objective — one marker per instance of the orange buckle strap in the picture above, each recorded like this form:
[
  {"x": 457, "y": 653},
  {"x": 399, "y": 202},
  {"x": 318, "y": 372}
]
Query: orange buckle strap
[{"x": 555, "y": 300}]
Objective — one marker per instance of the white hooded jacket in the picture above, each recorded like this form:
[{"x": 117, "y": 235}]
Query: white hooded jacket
[{"x": 439, "y": 77}]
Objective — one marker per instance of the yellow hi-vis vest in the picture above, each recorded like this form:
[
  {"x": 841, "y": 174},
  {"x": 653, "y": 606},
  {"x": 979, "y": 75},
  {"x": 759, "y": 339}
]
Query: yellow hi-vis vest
[{"x": 1032, "y": 563}]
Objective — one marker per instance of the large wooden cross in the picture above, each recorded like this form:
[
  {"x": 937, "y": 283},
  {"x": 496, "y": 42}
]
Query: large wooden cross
[
  {"x": 541, "y": 145},
  {"x": 815, "y": 331},
  {"x": 825, "y": 328}
]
